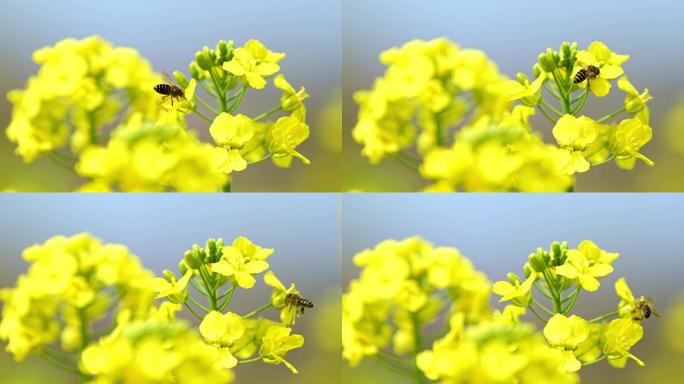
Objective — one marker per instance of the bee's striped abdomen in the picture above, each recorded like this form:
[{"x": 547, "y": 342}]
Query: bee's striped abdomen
[
  {"x": 580, "y": 76},
  {"x": 163, "y": 89}
]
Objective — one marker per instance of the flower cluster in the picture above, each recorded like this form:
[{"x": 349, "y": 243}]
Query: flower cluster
[
  {"x": 404, "y": 287},
  {"x": 216, "y": 272},
  {"x": 436, "y": 101},
  {"x": 559, "y": 275},
  {"x": 92, "y": 108},
  {"x": 60, "y": 308},
  {"x": 81, "y": 88},
  {"x": 423, "y": 312},
  {"x": 71, "y": 283}
]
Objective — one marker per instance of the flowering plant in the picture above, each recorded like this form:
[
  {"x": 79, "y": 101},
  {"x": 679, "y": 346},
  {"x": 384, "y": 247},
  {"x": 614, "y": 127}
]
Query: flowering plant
[
  {"x": 92, "y": 108},
  {"x": 423, "y": 312},
  {"x": 449, "y": 115},
  {"x": 89, "y": 308}
]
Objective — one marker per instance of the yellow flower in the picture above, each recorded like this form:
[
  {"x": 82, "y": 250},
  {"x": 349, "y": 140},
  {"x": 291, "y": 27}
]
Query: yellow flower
[
  {"x": 595, "y": 254},
  {"x": 247, "y": 64},
  {"x": 291, "y": 100},
  {"x": 574, "y": 135},
  {"x": 173, "y": 287},
  {"x": 260, "y": 52},
  {"x": 630, "y": 136},
  {"x": 620, "y": 336},
  {"x": 608, "y": 62},
  {"x": 223, "y": 329},
  {"x": 231, "y": 131},
  {"x": 235, "y": 265},
  {"x": 566, "y": 334},
  {"x": 276, "y": 343},
  {"x": 287, "y": 133},
  {"x": 627, "y": 301},
  {"x": 526, "y": 91},
  {"x": 153, "y": 352},
  {"x": 635, "y": 102},
  {"x": 288, "y": 313},
  {"x": 579, "y": 267},
  {"x": 516, "y": 290}
]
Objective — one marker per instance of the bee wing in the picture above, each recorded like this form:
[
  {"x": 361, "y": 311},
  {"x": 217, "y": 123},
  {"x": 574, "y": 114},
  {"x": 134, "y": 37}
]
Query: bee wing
[
  {"x": 167, "y": 79},
  {"x": 654, "y": 310}
]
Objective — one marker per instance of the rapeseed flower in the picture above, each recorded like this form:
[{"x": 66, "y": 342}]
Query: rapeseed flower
[{"x": 608, "y": 62}]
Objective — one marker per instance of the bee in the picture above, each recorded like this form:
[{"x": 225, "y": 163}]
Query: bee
[
  {"x": 644, "y": 308},
  {"x": 590, "y": 72},
  {"x": 169, "y": 89},
  {"x": 300, "y": 303}
]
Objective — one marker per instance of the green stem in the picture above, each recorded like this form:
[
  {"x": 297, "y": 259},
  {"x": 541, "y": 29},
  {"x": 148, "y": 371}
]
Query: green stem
[
  {"x": 542, "y": 307},
  {"x": 229, "y": 297},
  {"x": 438, "y": 130},
  {"x": 237, "y": 101},
  {"x": 261, "y": 159},
  {"x": 84, "y": 337},
  {"x": 603, "y": 317},
  {"x": 207, "y": 106},
  {"x": 220, "y": 93},
  {"x": 202, "y": 116},
  {"x": 605, "y": 161},
  {"x": 611, "y": 115},
  {"x": 61, "y": 162},
  {"x": 551, "y": 120},
  {"x": 197, "y": 287},
  {"x": 543, "y": 290},
  {"x": 552, "y": 92},
  {"x": 535, "y": 313},
  {"x": 250, "y": 360},
  {"x": 563, "y": 93},
  {"x": 258, "y": 310},
  {"x": 92, "y": 128},
  {"x": 192, "y": 311},
  {"x": 417, "y": 347},
  {"x": 268, "y": 113},
  {"x": 595, "y": 361},
  {"x": 197, "y": 303},
  {"x": 554, "y": 292},
  {"x": 211, "y": 292},
  {"x": 573, "y": 299},
  {"x": 207, "y": 89},
  {"x": 551, "y": 107},
  {"x": 583, "y": 100}
]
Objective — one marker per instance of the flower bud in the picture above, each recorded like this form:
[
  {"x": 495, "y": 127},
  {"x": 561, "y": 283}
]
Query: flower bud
[
  {"x": 513, "y": 278},
  {"x": 195, "y": 71},
  {"x": 527, "y": 270},
  {"x": 192, "y": 259},
  {"x": 536, "y": 262},
  {"x": 183, "y": 267},
  {"x": 204, "y": 59},
  {"x": 536, "y": 70},
  {"x": 224, "y": 51},
  {"x": 180, "y": 78},
  {"x": 548, "y": 60},
  {"x": 522, "y": 78},
  {"x": 168, "y": 275}
]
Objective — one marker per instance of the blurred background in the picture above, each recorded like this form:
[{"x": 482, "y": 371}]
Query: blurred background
[
  {"x": 513, "y": 33},
  {"x": 159, "y": 228},
  {"x": 167, "y": 34},
  {"x": 498, "y": 232}
]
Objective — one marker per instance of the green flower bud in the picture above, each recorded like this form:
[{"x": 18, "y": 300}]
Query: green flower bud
[
  {"x": 513, "y": 278},
  {"x": 192, "y": 259},
  {"x": 567, "y": 55},
  {"x": 536, "y": 262},
  {"x": 537, "y": 70},
  {"x": 548, "y": 60},
  {"x": 204, "y": 60},
  {"x": 224, "y": 51},
  {"x": 183, "y": 267},
  {"x": 527, "y": 270},
  {"x": 522, "y": 78},
  {"x": 195, "y": 71},
  {"x": 168, "y": 275},
  {"x": 180, "y": 78}
]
